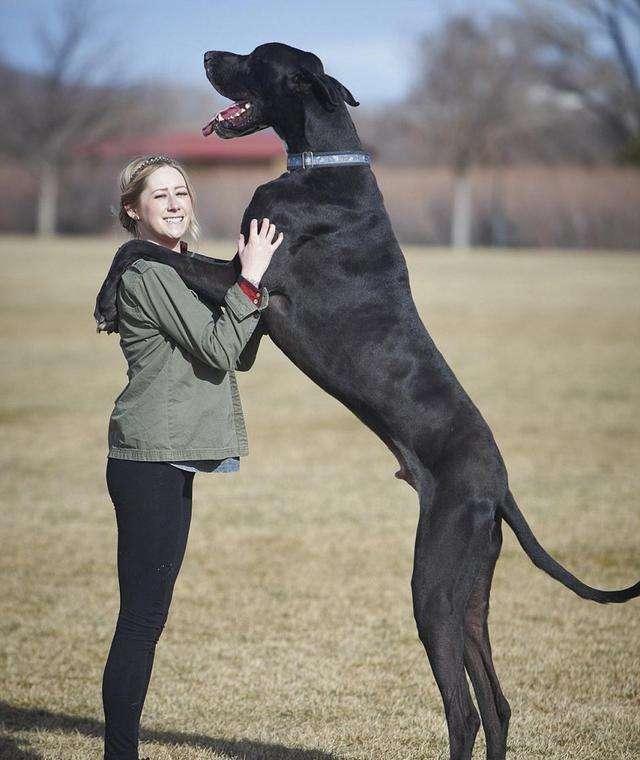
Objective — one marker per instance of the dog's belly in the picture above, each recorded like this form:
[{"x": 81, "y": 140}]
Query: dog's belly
[{"x": 384, "y": 368}]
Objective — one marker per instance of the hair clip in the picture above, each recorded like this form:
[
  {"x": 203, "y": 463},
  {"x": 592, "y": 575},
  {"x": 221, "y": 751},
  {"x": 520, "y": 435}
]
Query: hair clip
[{"x": 150, "y": 161}]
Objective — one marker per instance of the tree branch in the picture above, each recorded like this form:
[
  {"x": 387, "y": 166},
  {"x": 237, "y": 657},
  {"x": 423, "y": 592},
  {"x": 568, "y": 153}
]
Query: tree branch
[{"x": 620, "y": 44}]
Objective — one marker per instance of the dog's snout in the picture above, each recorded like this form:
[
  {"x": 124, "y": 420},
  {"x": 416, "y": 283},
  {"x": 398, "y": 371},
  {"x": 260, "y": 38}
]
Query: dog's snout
[{"x": 210, "y": 56}]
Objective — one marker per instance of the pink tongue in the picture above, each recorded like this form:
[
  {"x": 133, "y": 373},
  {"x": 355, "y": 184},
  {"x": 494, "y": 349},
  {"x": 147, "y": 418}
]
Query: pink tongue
[{"x": 230, "y": 112}]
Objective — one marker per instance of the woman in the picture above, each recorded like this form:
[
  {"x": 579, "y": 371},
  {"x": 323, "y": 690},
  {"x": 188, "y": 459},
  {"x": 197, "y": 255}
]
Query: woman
[{"x": 179, "y": 413}]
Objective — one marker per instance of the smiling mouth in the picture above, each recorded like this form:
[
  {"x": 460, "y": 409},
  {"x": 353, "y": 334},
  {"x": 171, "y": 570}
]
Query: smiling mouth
[
  {"x": 237, "y": 117},
  {"x": 174, "y": 219}
]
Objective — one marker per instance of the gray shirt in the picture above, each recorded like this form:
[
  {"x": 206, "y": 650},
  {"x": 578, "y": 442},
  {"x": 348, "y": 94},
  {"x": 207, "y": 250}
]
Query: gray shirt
[{"x": 230, "y": 464}]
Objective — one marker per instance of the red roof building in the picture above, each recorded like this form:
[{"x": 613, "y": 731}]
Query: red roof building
[{"x": 260, "y": 148}]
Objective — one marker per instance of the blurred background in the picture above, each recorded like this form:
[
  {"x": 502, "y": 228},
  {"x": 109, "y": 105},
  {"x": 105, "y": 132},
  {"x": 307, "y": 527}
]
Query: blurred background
[
  {"x": 503, "y": 129},
  {"x": 492, "y": 122}
]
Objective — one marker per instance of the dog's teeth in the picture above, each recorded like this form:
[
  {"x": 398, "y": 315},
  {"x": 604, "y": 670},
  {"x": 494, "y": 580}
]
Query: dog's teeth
[{"x": 240, "y": 110}]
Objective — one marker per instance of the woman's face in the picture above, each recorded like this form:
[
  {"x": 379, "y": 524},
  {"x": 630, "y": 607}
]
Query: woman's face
[{"x": 164, "y": 208}]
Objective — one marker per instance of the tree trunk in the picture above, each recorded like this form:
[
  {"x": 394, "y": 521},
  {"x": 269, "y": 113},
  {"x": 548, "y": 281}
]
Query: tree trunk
[
  {"x": 462, "y": 210},
  {"x": 47, "y": 200}
]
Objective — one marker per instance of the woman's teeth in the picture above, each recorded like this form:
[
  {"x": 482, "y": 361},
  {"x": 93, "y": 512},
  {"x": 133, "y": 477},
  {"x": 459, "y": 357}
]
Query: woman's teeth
[{"x": 174, "y": 219}]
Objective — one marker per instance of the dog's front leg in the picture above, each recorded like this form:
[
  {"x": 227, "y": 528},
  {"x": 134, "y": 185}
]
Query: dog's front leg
[{"x": 209, "y": 278}]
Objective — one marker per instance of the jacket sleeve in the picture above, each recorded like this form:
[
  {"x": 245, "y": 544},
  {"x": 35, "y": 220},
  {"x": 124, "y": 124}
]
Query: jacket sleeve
[
  {"x": 166, "y": 302},
  {"x": 249, "y": 352}
]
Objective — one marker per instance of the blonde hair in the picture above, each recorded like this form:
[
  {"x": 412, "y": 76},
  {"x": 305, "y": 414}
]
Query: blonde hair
[{"x": 132, "y": 181}]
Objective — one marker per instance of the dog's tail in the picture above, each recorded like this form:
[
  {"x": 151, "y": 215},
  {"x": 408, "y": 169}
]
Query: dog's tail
[{"x": 540, "y": 558}]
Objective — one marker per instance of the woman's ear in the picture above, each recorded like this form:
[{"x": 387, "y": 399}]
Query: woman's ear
[{"x": 132, "y": 213}]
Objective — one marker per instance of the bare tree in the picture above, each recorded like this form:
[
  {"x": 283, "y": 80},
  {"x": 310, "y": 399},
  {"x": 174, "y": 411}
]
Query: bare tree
[
  {"x": 467, "y": 99},
  {"x": 72, "y": 99},
  {"x": 590, "y": 49}
]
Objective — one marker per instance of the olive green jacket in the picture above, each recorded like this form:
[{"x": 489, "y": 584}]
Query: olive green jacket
[{"x": 182, "y": 400}]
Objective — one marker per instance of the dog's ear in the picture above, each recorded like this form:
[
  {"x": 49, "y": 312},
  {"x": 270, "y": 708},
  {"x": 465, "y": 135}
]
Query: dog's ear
[
  {"x": 326, "y": 89},
  {"x": 345, "y": 94}
]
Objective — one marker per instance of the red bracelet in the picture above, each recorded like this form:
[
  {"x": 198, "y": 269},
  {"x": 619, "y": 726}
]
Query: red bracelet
[{"x": 250, "y": 290}]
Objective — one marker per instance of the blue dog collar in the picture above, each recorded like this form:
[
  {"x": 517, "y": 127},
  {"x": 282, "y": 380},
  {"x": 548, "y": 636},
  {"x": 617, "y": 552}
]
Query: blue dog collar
[{"x": 309, "y": 159}]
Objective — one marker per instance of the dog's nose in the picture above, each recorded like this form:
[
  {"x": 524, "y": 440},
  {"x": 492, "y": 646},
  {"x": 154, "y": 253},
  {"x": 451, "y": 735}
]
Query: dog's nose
[{"x": 210, "y": 55}]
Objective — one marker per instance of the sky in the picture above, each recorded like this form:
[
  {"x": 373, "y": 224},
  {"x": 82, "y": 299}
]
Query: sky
[{"x": 370, "y": 47}]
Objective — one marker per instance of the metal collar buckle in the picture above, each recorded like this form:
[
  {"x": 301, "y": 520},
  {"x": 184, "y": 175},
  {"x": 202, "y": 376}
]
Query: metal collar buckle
[{"x": 307, "y": 159}]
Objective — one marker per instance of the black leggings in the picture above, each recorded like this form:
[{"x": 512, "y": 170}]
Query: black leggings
[{"x": 152, "y": 503}]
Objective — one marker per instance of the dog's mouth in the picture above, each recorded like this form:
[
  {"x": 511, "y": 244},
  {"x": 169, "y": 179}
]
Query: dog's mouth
[{"x": 239, "y": 119}]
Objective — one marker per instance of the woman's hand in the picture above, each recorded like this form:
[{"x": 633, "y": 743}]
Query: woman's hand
[{"x": 256, "y": 255}]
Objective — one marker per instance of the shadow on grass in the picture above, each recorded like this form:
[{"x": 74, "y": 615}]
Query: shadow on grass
[
  {"x": 25, "y": 719},
  {"x": 10, "y": 749}
]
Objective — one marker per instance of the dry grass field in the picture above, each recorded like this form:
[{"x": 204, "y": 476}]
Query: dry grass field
[{"x": 291, "y": 634}]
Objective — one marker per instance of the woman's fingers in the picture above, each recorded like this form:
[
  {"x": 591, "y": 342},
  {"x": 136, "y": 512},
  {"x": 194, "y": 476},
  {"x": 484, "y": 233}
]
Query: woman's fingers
[
  {"x": 241, "y": 243},
  {"x": 271, "y": 232},
  {"x": 264, "y": 229},
  {"x": 256, "y": 255},
  {"x": 262, "y": 236}
]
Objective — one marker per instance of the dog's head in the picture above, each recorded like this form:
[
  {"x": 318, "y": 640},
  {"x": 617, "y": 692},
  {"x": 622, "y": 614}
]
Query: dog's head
[{"x": 271, "y": 87}]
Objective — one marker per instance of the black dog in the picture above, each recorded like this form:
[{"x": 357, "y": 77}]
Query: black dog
[{"x": 342, "y": 311}]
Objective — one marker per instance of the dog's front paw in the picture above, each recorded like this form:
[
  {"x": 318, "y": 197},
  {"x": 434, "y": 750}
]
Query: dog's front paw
[
  {"x": 106, "y": 311},
  {"x": 106, "y": 317}
]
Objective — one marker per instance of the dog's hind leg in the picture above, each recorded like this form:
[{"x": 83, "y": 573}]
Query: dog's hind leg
[
  {"x": 494, "y": 708},
  {"x": 452, "y": 545}
]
